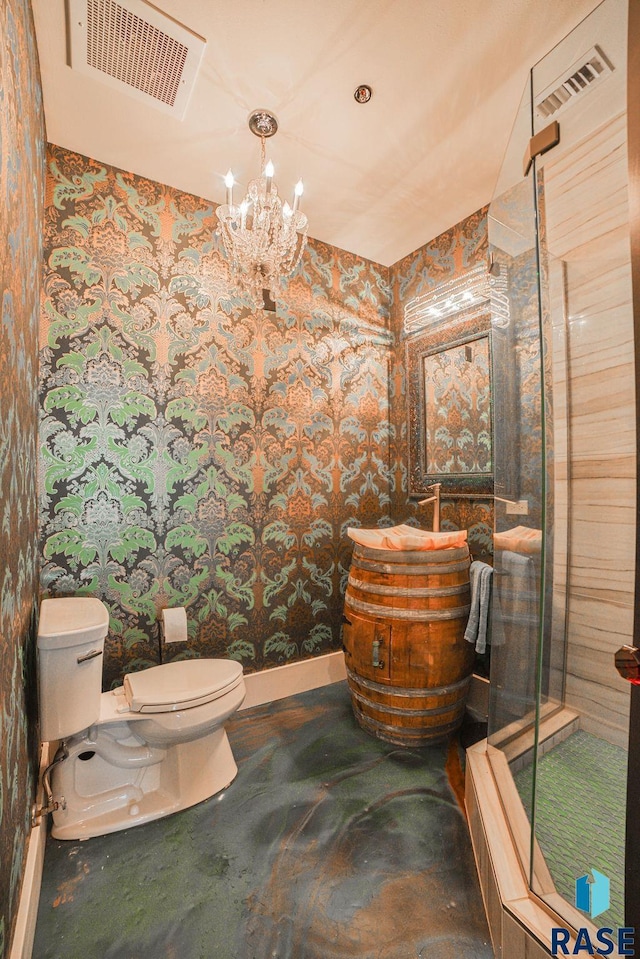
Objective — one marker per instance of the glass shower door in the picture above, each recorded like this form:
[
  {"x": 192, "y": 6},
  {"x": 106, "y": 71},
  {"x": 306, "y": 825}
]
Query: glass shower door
[
  {"x": 521, "y": 506},
  {"x": 565, "y": 475}
]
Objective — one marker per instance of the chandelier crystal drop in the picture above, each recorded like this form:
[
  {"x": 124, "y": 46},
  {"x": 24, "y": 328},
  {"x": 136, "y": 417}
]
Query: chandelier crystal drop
[{"x": 263, "y": 236}]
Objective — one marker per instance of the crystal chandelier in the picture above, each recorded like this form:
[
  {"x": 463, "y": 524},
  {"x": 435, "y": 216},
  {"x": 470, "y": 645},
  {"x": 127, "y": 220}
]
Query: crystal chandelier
[{"x": 263, "y": 237}]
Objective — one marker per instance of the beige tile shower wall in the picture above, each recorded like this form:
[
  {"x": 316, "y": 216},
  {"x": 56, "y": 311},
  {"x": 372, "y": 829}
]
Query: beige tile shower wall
[{"x": 586, "y": 202}]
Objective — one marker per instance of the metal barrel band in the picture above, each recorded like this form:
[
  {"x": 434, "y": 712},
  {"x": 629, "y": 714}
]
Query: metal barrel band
[
  {"x": 415, "y": 615},
  {"x": 422, "y": 569},
  {"x": 408, "y": 691},
  {"x": 407, "y": 733},
  {"x": 412, "y": 555},
  {"x": 389, "y": 708},
  {"x": 415, "y": 592}
]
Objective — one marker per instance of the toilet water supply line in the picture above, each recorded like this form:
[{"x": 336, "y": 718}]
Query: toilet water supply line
[
  {"x": 52, "y": 804},
  {"x": 123, "y": 757}
]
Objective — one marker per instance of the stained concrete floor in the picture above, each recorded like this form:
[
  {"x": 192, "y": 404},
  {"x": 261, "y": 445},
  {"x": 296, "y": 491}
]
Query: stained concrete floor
[{"x": 328, "y": 845}]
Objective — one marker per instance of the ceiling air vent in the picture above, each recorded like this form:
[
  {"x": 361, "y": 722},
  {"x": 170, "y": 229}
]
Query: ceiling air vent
[
  {"x": 582, "y": 76},
  {"x": 136, "y": 48}
]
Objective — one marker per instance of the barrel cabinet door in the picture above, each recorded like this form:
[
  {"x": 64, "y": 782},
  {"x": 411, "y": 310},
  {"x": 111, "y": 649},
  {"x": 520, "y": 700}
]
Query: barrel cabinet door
[{"x": 367, "y": 647}]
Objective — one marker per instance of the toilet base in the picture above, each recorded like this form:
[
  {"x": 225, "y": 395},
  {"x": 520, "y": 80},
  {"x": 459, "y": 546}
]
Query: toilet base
[{"x": 103, "y": 795}]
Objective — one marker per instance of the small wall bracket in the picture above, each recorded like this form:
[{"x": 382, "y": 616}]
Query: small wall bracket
[{"x": 544, "y": 140}]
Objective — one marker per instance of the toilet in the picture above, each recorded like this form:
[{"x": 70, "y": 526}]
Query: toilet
[{"x": 153, "y": 746}]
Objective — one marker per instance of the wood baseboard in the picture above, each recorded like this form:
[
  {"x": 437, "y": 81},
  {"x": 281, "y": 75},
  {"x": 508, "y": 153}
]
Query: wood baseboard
[
  {"x": 25, "y": 928},
  {"x": 281, "y": 681}
]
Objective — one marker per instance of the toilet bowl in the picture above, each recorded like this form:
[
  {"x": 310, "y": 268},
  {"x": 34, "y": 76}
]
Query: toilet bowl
[{"x": 153, "y": 746}]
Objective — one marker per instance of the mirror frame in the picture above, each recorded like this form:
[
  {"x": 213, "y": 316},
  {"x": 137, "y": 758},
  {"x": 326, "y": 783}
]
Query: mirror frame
[{"x": 458, "y": 330}]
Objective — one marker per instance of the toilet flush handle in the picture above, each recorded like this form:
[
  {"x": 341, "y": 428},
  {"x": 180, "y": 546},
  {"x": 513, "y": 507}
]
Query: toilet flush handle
[{"x": 90, "y": 655}]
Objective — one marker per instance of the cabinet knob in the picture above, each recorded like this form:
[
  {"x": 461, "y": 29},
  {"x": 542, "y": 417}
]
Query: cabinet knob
[
  {"x": 376, "y": 662},
  {"x": 627, "y": 660}
]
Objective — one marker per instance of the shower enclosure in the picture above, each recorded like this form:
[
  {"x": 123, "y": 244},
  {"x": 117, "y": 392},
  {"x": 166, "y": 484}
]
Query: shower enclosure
[{"x": 556, "y": 756}]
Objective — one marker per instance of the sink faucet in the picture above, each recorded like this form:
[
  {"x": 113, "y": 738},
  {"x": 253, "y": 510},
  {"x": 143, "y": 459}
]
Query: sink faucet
[{"x": 435, "y": 499}]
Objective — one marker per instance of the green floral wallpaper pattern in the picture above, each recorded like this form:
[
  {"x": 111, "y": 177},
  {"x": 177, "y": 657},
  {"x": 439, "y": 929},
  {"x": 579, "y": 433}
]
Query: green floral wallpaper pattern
[
  {"x": 197, "y": 452},
  {"x": 21, "y": 213}
]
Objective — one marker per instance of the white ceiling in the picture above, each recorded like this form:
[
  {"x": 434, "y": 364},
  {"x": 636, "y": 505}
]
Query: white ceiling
[{"x": 380, "y": 179}]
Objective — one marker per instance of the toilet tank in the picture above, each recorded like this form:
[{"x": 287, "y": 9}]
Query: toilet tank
[{"x": 71, "y": 636}]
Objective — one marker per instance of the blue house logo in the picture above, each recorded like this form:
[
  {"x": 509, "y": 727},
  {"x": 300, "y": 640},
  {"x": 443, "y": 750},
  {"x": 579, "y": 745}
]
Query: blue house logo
[
  {"x": 592, "y": 897},
  {"x": 592, "y": 893}
]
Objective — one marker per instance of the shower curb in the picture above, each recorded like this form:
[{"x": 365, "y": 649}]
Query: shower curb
[{"x": 519, "y": 922}]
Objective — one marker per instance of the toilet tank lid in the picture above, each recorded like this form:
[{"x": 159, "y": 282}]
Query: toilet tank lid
[
  {"x": 181, "y": 684},
  {"x": 71, "y": 621}
]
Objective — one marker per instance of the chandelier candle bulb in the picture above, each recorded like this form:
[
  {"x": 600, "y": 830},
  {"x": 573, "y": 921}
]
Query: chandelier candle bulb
[
  {"x": 228, "y": 182},
  {"x": 297, "y": 193},
  {"x": 268, "y": 172}
]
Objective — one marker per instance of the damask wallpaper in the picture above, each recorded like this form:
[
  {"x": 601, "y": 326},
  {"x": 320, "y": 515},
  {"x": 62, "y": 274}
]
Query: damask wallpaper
[
  {"x": 449, "y": 255},
  {"x": 21, "y": 192},
  {"x": 195, "y": 451}
]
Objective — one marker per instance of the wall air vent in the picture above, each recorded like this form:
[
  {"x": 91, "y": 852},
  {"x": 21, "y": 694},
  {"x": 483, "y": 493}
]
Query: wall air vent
[
  {"x": 134, "y": 47},
  {"x": 586, "y": 73}
]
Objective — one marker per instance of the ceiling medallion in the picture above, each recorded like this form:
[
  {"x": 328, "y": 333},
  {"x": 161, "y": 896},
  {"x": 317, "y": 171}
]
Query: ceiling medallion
[
  {"x": 263, "y": 237},
  {"x": 263, "y": 123}
]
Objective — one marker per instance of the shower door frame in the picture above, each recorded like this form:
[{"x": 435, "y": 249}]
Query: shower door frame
[
  {"x": 632, "y": 846},
  {"x": 632, "y": 813}
]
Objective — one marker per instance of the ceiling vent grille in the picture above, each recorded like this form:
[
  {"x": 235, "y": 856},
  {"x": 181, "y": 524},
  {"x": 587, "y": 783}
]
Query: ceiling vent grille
[
  {"x": 133, "y": 46},
  {"x": 587, "y": 72}
]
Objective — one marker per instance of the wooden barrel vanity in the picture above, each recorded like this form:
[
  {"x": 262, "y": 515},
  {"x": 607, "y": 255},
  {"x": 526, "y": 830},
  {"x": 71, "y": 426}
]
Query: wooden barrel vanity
[{"x": 408, "y": 664}]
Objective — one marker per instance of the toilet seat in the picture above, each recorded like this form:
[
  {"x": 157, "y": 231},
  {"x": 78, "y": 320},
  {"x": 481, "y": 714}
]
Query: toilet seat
[{"x": 181, "y": 684}]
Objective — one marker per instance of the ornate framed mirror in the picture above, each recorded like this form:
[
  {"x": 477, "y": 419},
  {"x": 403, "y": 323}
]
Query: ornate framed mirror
[{"x": 450, "y": 407}]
